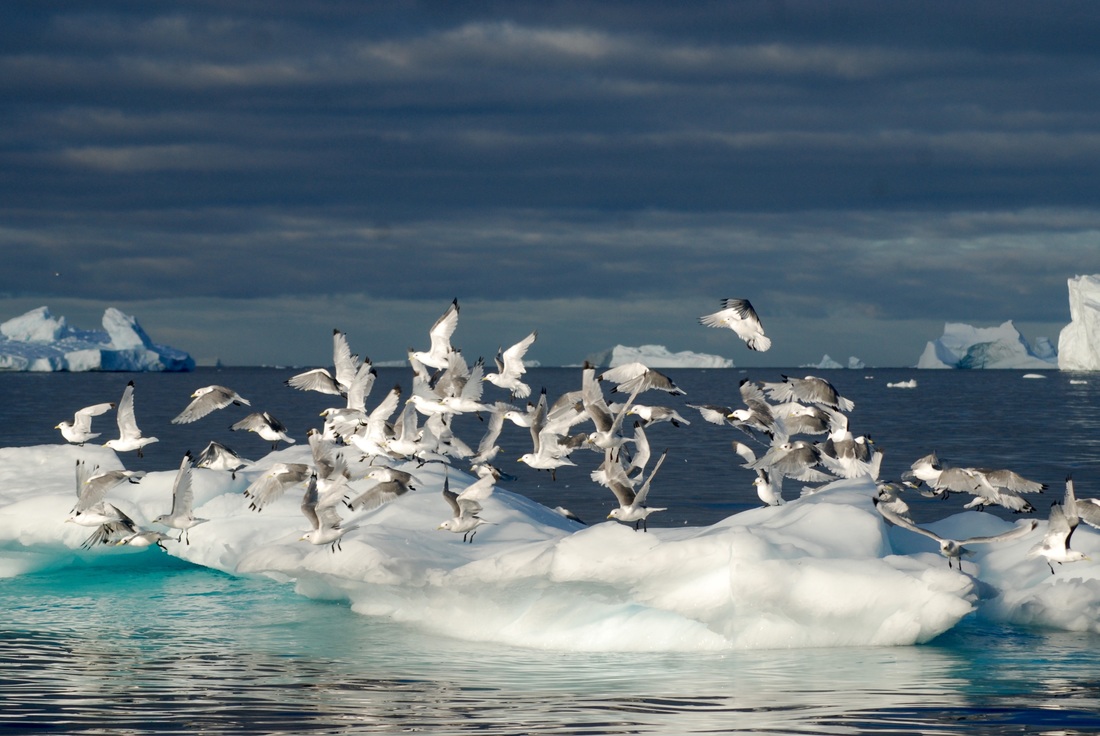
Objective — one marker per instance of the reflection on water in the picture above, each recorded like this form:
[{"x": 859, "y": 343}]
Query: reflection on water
[{"x": 149, "y": 645}]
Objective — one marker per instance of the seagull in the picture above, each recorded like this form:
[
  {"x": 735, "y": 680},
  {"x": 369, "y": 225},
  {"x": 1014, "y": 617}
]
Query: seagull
[
  {"x": 739, "y": 316},
  {"x": 439, "y": 352},
  {"x": 810, "y": 389},
  {"x": 345, "y": 367},
  {"x": 390, "y": 484},
  {"x": 129, "y": 436},
  {"x": 989, "y": 487},
  {"x": 632, "y": 506},
  {"x": 769, "y": 487},
  {"x": 217, "y": 456},
  {"x": 92, "y": 487},
  {"x": 466, "y": 506},
  {"x": 115, "y": 525},
  {"x": 272, "y": 484},
  {"x": 79, "y": 430},
  {"x": 265, "y": 425},
  {"x": 510, "y": 368},
  {"x": 91, "y": 510},
  {"x": 1060, "y": 526},
  {"x": 793, "y": 460},
  {"x": 322, "y": 515},
  {"x": 655, "y": 414},
  {"x": 208, "y": 399},
  {"x": 713, "y": 413},
  {"x": 183, "y": 499},
  {"x": 638, "y": 377},
  {"x": 144, "y": 538},
  {"x": 953, "y": 549}
]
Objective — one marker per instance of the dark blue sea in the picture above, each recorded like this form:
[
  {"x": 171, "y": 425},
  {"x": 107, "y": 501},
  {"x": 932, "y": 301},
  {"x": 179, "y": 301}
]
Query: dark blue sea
[{"x": 149, "y": 644}]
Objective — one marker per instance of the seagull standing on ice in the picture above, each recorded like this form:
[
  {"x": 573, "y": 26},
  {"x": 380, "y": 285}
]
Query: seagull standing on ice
[
  {"x": 632, "y": 504},
  {"x": 183, "y": 499},
  {"x": 322, "y": 515},
  {"x": 466, "y": 506},
  {"x": 1062, "y": 522},
  {"x": 739, "y": 316},
  {"x": 208, "y": 399},
  {"x": 79, "y": 430},
  {"x": 129, "y": 436}
]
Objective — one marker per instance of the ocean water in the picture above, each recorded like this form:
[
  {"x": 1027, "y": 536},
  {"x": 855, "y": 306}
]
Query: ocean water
[{"x": 148, "y": 644}]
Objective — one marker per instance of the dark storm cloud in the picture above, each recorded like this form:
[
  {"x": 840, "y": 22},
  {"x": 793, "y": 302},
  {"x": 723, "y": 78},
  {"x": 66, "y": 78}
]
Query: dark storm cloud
[{"x": 876, "y": 161}]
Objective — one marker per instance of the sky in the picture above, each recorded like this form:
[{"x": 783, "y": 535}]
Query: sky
[{"x": 243, "y": 177}]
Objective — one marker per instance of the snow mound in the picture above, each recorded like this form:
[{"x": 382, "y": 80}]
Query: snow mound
[
  {"x": 37, "y": 341},
  {"x": 965, "y": 346},
  {"x": 657, "y": 356},
  {"x": 1079, "y": 341}
]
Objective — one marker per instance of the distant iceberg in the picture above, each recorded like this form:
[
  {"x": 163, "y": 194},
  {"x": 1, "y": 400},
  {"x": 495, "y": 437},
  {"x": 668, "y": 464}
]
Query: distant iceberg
[
  {"x": 827, "y": 363},
  {"x": 1079, "y": 341},
  {"x": 657, "y": 356},
  {"x": 965, "y": 346},
  {"x": 38, "y": 341}
]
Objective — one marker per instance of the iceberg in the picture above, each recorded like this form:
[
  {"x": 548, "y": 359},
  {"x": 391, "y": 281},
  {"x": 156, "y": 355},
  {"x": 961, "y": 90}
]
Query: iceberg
[
  {"x": 38, "y": 341},
  {"x": 1079, "y": 341},
  {"x": 827, "y": 363},
  {"x": 657, "y": 356},
  {"x": 821, "y": 570},
  {"x": 965, "y": 346}
]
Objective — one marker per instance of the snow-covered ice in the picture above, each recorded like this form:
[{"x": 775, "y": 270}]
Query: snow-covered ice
[
  {"x": 821, "y": 570},
  {"x": 38, "y": 341},
  {"x": 657, "y": 356},
  {"x": 1079, "y": 341},
  {"x": 966, "y": 346}
]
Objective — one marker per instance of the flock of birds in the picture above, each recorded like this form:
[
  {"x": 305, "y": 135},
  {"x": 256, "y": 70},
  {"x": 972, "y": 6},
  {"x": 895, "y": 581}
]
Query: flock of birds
[{"x": 796, "y": 428}]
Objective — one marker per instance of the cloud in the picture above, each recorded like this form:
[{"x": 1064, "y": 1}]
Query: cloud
[{"x": 841, "y": 164}]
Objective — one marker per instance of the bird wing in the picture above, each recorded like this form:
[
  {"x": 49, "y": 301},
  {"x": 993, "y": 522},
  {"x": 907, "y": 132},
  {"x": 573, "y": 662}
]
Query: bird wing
[
  {"x": 511, "y": 365},
  {"x": 359, "y": 387},
  {"x": 442, "y": 330},
  {"x": 124, "y": 415},
  {"x": 309, "y": 502},
  {"x": 904, "y": 523},
  {"x": 640, "y": 496},
  {"x": 317, "y": 379},
  {"x": 344, "y": 364},
  {"x": 217, "y": 397},
  {"x": 183, "y": 495},
  {"x": 379, "y": 494},
  {"x": 1088, "y": 511},
  {"x": 1021, "y": 530},
  {"x": 82, "y": 420}
]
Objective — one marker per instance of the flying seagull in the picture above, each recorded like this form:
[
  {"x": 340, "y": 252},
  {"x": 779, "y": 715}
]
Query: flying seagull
[
  {"x": 739, "y": 316},
  {"x": 129, "y": 436},
  {"x": 208, "y": 399},
  {"x": 79, "y": 430},
  {"x": 953, "y": 549}
]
